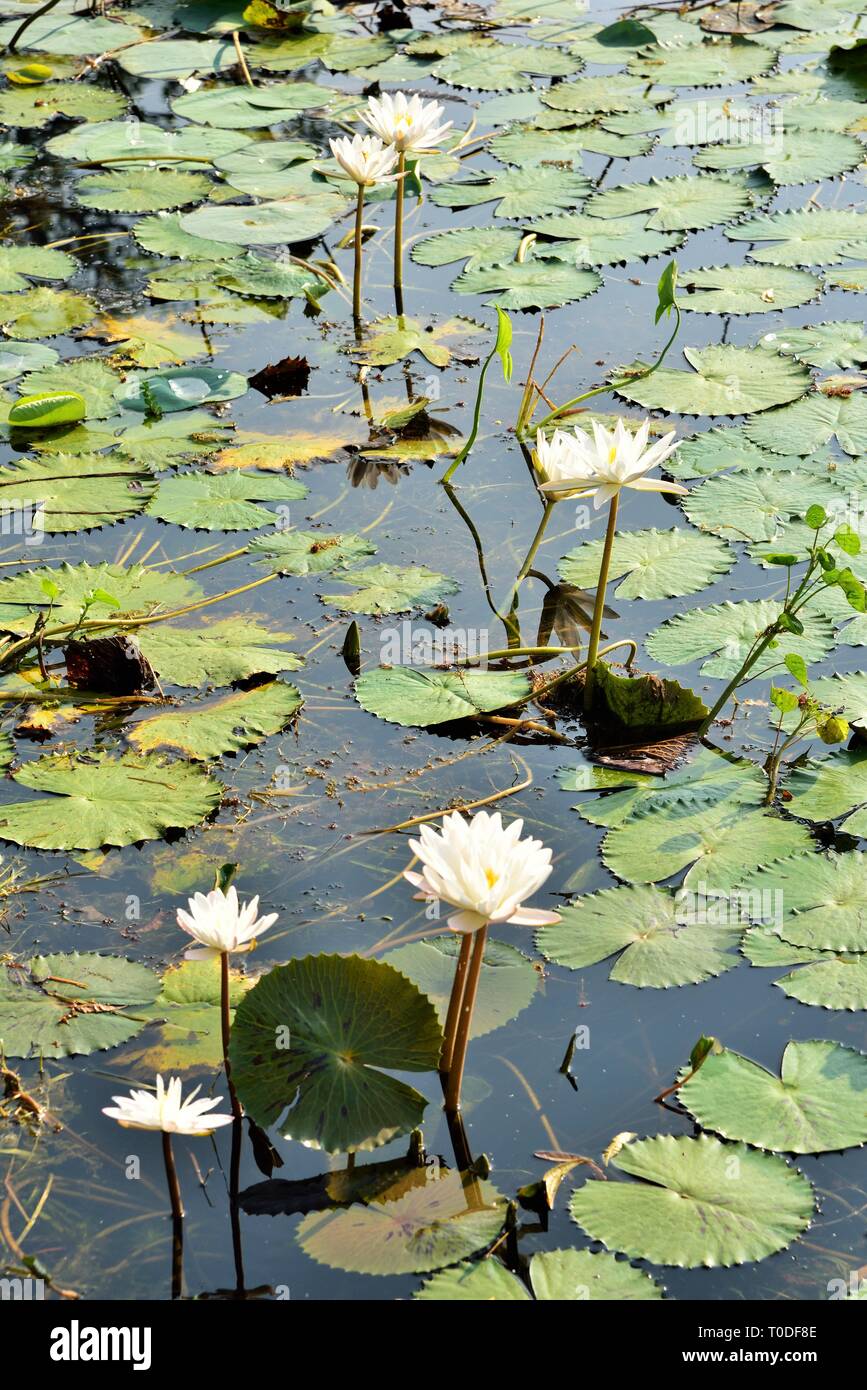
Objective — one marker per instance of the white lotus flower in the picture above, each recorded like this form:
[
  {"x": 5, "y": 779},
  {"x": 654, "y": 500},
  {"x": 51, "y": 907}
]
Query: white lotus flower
[
  {"x": 166, "y": 1110},
  {"x": 484, "y": 869},
  {"x": 408, "y": 123},
  {"x": 220, "y": 923},
  {"x": 605, "y": 463},
  {"x": 365, "y": 159}
]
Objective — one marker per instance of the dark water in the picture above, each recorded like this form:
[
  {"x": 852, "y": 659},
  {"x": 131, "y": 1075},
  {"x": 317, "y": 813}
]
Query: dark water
[{"x": 105, "y": 1235}]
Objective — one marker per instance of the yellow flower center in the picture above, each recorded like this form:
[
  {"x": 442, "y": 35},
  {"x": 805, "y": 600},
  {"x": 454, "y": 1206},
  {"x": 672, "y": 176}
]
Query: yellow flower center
[
  {"x": 612, "y": 454},
  {"x": 491, "y": 877}
]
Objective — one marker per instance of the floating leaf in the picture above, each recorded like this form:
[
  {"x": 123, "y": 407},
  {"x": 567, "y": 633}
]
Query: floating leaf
[
  {"x": 100, "y": 800},
  {"x": 164, "y": 236},
  {"x": 142, "y": 190},
  {"x": 829, "y": 788},
  {"x": 735, "y": 1204},
  {"x": 227, "y": 725},
  {"x": 136, "y": 589},
  {"x": 41, "y": 313},
  {"x": 829, "y": 984},
  {"x": 597, "y": 241},
  {"x": 20, "y": 264},
  {"x": 413, "y": 697},
  {"x": 824, "y": 345},
  {"x": 222, "y": 501},
  {"x": 250, "y": 108},
  {"x": 185, "y": 1030},
  {"x": 815, "y": 1105},
  {"x": 708, "y": 65},
  {"x": 391, "y": 339},
  {"x": 179, "y": 388},
  {"x": 76, "y": 492},
  {"x": 16, "y": 358},
  {"x": 714, "y": 451},
  {"x": 797, "y": 156},
  {"x": 725, "y": 633},
  {"x": 101, "y": 142},
  {"x": 301, "y": 218},
  {"x": 31, "y": 108},
  {"x": 488, "y": 66},
  {"x": 478, "y": 246},
  {"x": 724, "y": 381},
  {"x": 310, "y": 552},
  {"x": 561, "y": 1275},
  {"x": 518, "y": 192},
  {"x": 745, "y": 289},
  {"x": 805, "y": 236},
  {"x": 752, "y": 506},
  {"x": 655, "y": 564},
  {"x": 145, "y": 341},
  {"x": 660, "y": 947},
  {"x": 424, "y": 1221},
  {"x": 391, "y": 589},
  {"x": 46, "y": 409},
  {"x": 806, "y": 425},
  {"x": 72, "y": 1005},
  {"x": 679, "y": 203},
  {"x": 610, "y": 93},
  {"x": 710, "y": 778},
  {"x": 312, "y": 1036},
  {"x": 529, "y": 284},
  {"x": 507, "y": 984},
  {"x": 73, "y": 34},
  {"x": 717, "y": 844},
  {"x": 227, "y": 651},
  {"x": 86, "y": 377}
]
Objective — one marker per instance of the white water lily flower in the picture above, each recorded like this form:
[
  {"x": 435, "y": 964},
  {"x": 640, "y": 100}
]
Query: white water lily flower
[
  {"x": 408, "y": 123},
  {"x": 607, "y": 462},
  {"x": 365, "y": 159},
  {"x": 220, "y": 923},
  {"x": 484, "y": 869},
  {"x": 166, "y": 1110},
  {"x": 555, "y": 458}
]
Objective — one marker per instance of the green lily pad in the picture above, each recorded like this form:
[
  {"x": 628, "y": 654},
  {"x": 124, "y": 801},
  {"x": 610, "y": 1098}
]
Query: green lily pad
[
  {"x": 173, "y": 440},
  {"x": 645, "y": 928},
  {"x": 709, "y": 778},
  {"x": 808, "y": 424},
  {"x": 76, "y": 35},
  {"x": 184, "y": 1029},
  {"x": 135, "y": 589},
  {"x": 86, "y": 377},
  {"x": 139, "y": 189},
  {"x": 721, "y": 636},
  {"x": 797, "y": 156},
  {"x": 616, "y": 92},
  {"x": 488, "y": 66},
  {"x": 717, "y": 844},
  {"x": 16, "y": 358},
  {"x": 724, "y": 381},
  {"x": 518, "y": 192},
  {"x": 224, "y": 652},
  {"x": 735, "y": 1204},
  {"x": 390, "y": 340},
  {"x": 478, "y": 246},
  {"x": 416, "y": 698},
  {"x": 752, "y": 506},
  {"x": 430, "y": 1218},
  {"x": 679, "y": 203},
  {"x": 507, "y": 984},
  {"x": 20, "y": 264},
  {"x": 76, "y": 492},
  {"x": 230, "y": 724},
  {"x": 47, "y": 1007},
  {"x": 310, "y": 552},
  {"x": 828, "y": 788},
  {"x": 319, "y": 1036},
  {"x": 816, "y": 1104},
  {"x": 804, "y": 236},
  {"x": 829, "y": 984},
  {"x": 599, "y": 241},
  {"x": 707, "y": 65},
  {"x": 33, "y": 107},
  {"x": 391, "y": 589},
  {"x": 164, "y": 236},
  {"x": 727, "y": 447},
  {"x": 529, "y": 284},
  {"x": 300, "y": 218},
  {"x": 823, "y": 345},
  {"x": 179, "y": 388},
  {"x": 561, "y": 1275},
  {"x": 653, "y": 564},
  {"x": 223, "y": 501},
  {"x": 250, "y": 108},
  {"x": 96, "y": 799},
  {"x": 746, "y": 289},
  {"x": 42, "y": 313},
  {"x": 169, "y": 60}
]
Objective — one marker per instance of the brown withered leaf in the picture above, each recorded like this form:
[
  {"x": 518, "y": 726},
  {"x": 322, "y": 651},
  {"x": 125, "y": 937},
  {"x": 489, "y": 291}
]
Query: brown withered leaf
[
  {"x": 740, "y": 17},
  {"x": 279, "y": 380},
  {"x": 116, "y": 665},
  {"x": 656, "y": 758}
]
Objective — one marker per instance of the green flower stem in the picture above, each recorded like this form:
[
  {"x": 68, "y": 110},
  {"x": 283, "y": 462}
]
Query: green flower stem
[
  {"x": 398, "y": 236},
  {"x": 356, "y": 278},
  {"x": 456, "y": 1000},
  {"x": 599, "y": 603},
  {"x": 614, "y": 385},
  {"x": 474, "y": 430},
  {"x": 465, "y": 1019}
]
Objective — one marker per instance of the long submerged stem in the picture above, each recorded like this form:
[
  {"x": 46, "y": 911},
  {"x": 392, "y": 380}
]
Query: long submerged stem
[
  {"x": 237, "y": 1123},
  {"x": 599, "y": 604},
  {"x": 398, "y": 236},
  {"x": 356, "y": 278},
  {"x": 177, "y": 1216},
  {"x": 456, "y": 1000}
]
